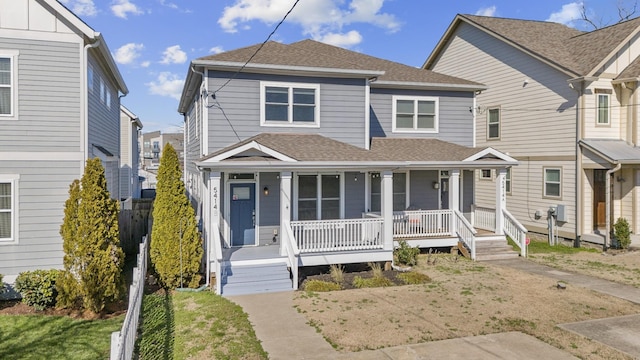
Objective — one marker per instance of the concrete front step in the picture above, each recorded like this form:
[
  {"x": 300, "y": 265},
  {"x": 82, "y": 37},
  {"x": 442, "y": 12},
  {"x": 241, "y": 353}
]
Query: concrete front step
[{"x": 253, "y": 279}]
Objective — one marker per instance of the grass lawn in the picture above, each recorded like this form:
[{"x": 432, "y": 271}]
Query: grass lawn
[
  {"x": 195, "y": 325},
  {"x": 55, "y": 337}
]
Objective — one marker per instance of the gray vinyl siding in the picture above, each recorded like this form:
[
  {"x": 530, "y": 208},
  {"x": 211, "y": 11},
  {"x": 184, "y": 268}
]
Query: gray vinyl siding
[
  {"x": 342, "y": 109},
  {"x": 269, "y": 207},
  {"x": 467, "y": 191},
  {"x": 192, "y": 151},
  {"x": 354, "y": 196},
  {"x": 538, "y": 119},
  {"x": 43, "y": 189},
  {"x": 104, "y": 122},
  {"x": 455, "y": 119},
  {"x": 423, "y": 195},
  {"x": 48, "y": 89}
]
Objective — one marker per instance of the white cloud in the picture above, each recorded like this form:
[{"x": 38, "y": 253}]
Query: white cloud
[
  {"x": 128, "y": 53},
  {"x": 121, "y": 8},
  {"x": 216, "y": 50},
  {"x": 318, "y": 18},
  {"x": 166, "y": 84},
  {"x": 168, "y": 4},
  {"x": 173, "y": 55},
  {"x": 343, "y": 40},
  {"x": 81, "y": 7},
  {"x": 569, "y": 13},
  {"x": 487, "y": 11},
  {"x": 145, "y": 64}
]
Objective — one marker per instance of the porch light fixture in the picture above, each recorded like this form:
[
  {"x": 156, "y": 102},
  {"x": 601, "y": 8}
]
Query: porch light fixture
[
  {"x": 436, "y": 185},
  {"x": 620, "y": 179},
  {"x": 265, "y": 191}
]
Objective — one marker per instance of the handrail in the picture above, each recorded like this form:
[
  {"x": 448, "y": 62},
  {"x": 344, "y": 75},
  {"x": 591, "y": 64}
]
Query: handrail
[
  {"x": 412, "y": 223},
  {"x": 337, "y": 235},
  {"x": 466, "y": 232},
  {"x": 484, "y": 218},
  {"x": 217, "y": 248},
  {"x": 293, "y": 253},
  {"x": 516, "y": 231}
]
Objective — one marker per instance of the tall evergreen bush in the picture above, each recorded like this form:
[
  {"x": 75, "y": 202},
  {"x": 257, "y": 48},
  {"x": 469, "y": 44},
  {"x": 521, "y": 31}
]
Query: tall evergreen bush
[
  {"x": 93, "y": 258},
  {"x": 176, "y": 245}
]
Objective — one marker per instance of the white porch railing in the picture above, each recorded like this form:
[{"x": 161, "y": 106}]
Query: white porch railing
[
  {"x": 338, "y": 235},
  {"x": 293, "y": 253},
  {"x": 217, "y": 256},
  {"x": 422, "y": 223},
  {"x": 124, "y": 341},
  {"x": 466, "y": 233},
  {"x": 484, "y": 218},
  {"x": 516, "y": 231}
]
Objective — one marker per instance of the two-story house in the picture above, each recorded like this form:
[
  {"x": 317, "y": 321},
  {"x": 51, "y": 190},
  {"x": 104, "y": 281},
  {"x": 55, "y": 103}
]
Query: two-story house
[
  {"x": 564, "y": 104},
  {"x": 130, "y": 127},
  {"x": 310, "y": 154},
  {"x": 59, "y": 105}
]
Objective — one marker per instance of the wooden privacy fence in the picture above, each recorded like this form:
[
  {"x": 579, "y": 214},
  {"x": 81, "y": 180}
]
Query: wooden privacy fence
[
  {"x": 134, "y": 224},
  {"x": 123, "y": 341}
]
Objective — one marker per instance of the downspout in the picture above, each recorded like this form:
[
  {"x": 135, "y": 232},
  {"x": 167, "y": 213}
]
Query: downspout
[
  {"x": 578, "y": 173},
  {"x": 84, "y": 125},
  {"x": 607, "y": 239}
]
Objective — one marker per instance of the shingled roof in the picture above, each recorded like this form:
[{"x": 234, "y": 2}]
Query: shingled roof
[
  {"x": 573, "y": 50},
  {"x": 314, "y": 54}
]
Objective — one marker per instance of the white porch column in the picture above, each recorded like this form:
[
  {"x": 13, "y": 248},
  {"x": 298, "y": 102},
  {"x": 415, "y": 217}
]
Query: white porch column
[
  {"x": 285, "y": 207},
  {"x": 212, "y": 217},
  {"x": 501, "y": 199},
  {"x": 386, "y": 209},
  {"x": 454, "y": 189}
]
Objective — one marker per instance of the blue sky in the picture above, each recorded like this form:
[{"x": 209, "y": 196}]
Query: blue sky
[{"x": 153, "y": 41}]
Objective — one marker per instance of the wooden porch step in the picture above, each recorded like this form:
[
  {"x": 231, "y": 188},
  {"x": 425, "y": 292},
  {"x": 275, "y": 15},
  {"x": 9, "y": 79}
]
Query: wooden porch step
[
  {"x": 494, "y": 247},
  {"x": 253, "y": 279}
]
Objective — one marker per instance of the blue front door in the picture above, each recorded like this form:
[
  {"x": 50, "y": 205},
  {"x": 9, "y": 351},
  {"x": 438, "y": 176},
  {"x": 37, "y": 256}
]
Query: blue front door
[{"x": 243, "y": 214}]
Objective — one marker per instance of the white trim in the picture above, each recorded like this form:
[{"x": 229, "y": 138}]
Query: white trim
[
  {"x": 288, "y": 69},
  {"x": 544, "y": 183},
  {"x": 40, "y": 35},
  {"x": 474, "y": 113},
  {"x": 290, "y": 122},
  {"x": 205, "y": 117},
  {"x": 43, "y": 156},
  {"x": 227, "y": 206},
  {"x": 597, "y": 99},
  {"x": 319, "y": 198},
  {"x": 490, "y": 151},
  {"x": 415, "y": 99},
  {"x": 341, "y": 200},
  {"x": 482, "y": 177},
  {"x": 249, "y": 146},
  {"x": 499, "y": 123},
  {"x": 12, "y": 55},
  {"x": 14, "y": 181},
  {"x": 367, "y": 114}
]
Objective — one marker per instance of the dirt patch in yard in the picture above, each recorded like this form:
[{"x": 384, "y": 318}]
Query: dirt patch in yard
[{"x": 464, "y": 298}]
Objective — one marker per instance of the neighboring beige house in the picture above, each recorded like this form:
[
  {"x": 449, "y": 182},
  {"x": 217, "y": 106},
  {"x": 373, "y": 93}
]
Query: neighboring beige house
[
  {"x": 153, "y": 143},
  {"x": 564, "y": 104},
  {"x": 130, "y": 126}
]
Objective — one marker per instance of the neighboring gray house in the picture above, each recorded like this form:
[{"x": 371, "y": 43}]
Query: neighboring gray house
[
  {"x": 315, "y": 155},
  {"x": 564, "y": 104},
  {"x": 153, "y": 143},
  {"x": 59, "y": 105},
  {"x": 130, "y": 127}
]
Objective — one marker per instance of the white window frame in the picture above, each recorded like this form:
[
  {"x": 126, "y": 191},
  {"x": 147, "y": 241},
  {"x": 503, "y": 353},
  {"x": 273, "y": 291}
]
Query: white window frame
[
  {"x": 90, "y": 76},
  {"x": 416, "y": 99},
  {"x": 318, "y": 197},
  {"x": 108, "y": 98},
  {"x": 102, "y": 90},
  {"x": 499, "y": 123},
  {"x": 482, "y": 174},
  {"x": 508, "y": 183},
  {"x": 12, "y": 55},
  {"x": 607, "y": 94},
  {"x": 12, "y": 179},
  {"x": 289, "y": 122},
  {"x": 544, "y": 182}
]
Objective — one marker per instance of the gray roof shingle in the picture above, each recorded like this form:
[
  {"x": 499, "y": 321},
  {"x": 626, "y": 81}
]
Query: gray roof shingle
[{"x": 310, "y": 53}]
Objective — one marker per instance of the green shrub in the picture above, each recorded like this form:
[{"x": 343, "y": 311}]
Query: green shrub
[
  {"x": 413, "y": 278},
  {"x": 622, "y": 233},
  {"x": 38, "y": 288},
  {"x": 406, "y": 255},
  {"x": 2, "y": 288},
  {"x": 321, "y": 286},
  {"x": 176, "y": 245},
  {"x": 93, "y": 259},
  {"x": 378, "y": 281},
  {"x": 337, "y": 273},
  {"x": 376, "y": 269}
]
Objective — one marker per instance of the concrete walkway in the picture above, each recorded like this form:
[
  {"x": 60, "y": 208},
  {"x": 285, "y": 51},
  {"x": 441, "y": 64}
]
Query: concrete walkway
[{"x": 285, "y": 334}]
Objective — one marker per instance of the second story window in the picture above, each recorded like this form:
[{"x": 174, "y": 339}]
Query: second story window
[
  {"x": 603, "y": 99},
  {"x": 285, "y": 104},
  {"x": 493, "y": 123},
  {"x": 7, "y": 82},
  {"x": 415, "y": 114}
]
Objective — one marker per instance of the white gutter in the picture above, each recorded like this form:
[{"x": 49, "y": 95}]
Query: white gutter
[
  {"x": 426, "y": 85},
  {"x": 352, "y": 165},
  {"x": 607, "y": 239},
  {"x": 288, "y": 69}
]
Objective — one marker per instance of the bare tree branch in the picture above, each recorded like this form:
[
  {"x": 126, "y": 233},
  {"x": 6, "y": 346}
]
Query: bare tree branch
[{"x": 626, "y": 11}]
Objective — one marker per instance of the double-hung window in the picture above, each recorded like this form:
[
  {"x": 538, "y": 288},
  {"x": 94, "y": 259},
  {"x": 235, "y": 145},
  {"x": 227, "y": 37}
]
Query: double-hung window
[
  {"x": 284, "y": 104},
  {"x": 7, "y": 82},
  {"x": 8, "y": 211},
  {"x": 493, "y": 123},
  {"x": 507, "y": 181},
  {"x": 318, "y": 197},
  {"x": 415, "y": 114},
  {"x": 399, "y": 191},
  {"x": 603, "y": 105},
  {"x": 552, "y": 182}
]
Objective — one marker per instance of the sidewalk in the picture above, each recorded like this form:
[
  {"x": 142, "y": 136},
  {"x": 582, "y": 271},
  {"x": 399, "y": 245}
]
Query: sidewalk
[{"x": 285, "y": 334}]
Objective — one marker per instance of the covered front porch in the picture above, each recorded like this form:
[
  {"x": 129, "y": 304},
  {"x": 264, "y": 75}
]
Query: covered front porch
[{"x": 311, "y": 214}]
